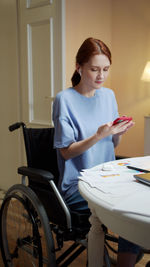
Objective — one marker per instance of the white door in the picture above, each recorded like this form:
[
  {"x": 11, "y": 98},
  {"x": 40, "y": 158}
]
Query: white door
[{"x": 41, "y": 44}]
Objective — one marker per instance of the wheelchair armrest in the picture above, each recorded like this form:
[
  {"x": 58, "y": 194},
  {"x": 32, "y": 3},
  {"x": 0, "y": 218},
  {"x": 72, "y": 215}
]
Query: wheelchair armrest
[
  {"x": 41, "y": 175},
  {"x": 46, "y": 177}
]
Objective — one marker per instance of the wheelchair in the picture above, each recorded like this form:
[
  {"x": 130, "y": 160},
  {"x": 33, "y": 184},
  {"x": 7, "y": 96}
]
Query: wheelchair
[{"x": 35, "y": 221}]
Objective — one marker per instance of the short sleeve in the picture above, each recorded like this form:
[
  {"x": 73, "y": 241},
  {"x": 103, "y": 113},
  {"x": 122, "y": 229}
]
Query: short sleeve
[{"x": 64, "y": 132}]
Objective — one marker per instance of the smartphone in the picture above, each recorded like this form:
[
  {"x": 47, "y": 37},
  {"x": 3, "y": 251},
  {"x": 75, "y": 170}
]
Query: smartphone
[
  {"x": 143, "y": 177},
  {"x": 121, "y": 119}
]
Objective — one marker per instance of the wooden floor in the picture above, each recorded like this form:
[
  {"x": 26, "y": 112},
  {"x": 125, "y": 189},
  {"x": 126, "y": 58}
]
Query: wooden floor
[{"x": 81, "y": 261}]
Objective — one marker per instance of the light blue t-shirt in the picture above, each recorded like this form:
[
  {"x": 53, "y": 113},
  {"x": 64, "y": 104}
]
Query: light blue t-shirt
[{"x": 77, "y": 117}]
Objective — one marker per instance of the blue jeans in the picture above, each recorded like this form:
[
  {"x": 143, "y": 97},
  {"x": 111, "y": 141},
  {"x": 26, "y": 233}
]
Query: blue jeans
[{"x": 77, "y": 203}]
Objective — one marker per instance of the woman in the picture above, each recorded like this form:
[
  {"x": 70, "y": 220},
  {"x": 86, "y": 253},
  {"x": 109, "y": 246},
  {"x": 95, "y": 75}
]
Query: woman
[{"x": 85, "y": 136}]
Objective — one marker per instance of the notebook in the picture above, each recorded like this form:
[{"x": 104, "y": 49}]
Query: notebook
[{"x": 143, "y": 178}]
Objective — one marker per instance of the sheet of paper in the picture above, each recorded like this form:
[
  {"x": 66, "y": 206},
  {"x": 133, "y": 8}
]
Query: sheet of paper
[
  {"x": 115, "y": 179},
  {"x": 118, "y": 180},
  {"x": 115, "y": 185}
]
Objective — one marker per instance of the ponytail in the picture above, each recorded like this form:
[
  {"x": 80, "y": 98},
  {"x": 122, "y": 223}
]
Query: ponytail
[{"x": 75, "y": 78}]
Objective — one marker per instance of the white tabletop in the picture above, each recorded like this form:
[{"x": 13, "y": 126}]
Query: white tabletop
[{"x": 133, "y": 226}]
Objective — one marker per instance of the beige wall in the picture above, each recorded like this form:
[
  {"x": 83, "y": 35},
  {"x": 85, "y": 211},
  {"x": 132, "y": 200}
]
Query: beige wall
[
  {"x": 131, "y": 50},
  {"x": 9, "y": 149}
]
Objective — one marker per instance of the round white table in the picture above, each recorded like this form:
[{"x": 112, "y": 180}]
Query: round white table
[{"x": 133, "y": 227}]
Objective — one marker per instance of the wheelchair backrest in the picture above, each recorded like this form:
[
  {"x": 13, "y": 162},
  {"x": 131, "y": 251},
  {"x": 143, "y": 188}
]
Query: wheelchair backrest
[{"x": 39, "y": 150}]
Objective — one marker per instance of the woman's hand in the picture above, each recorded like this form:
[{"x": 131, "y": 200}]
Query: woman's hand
[
  {"x": 123, "y": 127},
  {"x": 117, "y": 136},
  {"x": 117, "y": 129}
]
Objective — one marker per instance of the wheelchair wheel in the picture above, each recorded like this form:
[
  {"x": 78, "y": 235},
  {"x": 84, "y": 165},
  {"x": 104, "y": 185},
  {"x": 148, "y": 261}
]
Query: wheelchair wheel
[{"x": 25, "y": 235}]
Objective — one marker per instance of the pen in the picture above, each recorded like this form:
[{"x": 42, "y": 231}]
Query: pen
[{"x": 137, "y": 169}]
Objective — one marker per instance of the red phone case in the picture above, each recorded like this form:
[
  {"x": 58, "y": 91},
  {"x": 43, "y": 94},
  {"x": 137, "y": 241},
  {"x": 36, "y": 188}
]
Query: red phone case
[{"x": 120, "y": 119}]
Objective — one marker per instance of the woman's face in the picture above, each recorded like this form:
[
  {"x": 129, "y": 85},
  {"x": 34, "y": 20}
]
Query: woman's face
[{"x": 95, "y": 71}]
